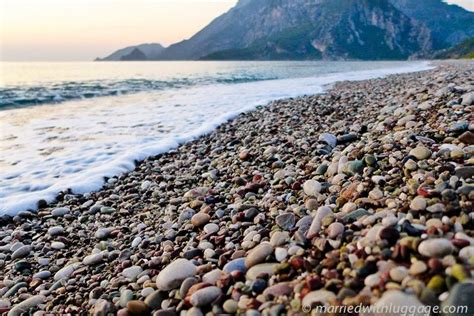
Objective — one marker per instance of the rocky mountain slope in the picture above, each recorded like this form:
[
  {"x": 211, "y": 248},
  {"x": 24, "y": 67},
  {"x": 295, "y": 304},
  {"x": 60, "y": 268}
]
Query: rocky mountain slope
[
  {"x": 449, "y": 24},
  {"x": 463, "y": 50},
  {"x": 301, "y": 29}
]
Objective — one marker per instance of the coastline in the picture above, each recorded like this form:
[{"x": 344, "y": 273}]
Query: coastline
[
  {"x": 38, "y": 179},
  {"x": 331, "y": 196}
]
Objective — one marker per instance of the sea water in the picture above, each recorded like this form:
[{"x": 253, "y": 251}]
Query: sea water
[{"x": 71, "y": 125}]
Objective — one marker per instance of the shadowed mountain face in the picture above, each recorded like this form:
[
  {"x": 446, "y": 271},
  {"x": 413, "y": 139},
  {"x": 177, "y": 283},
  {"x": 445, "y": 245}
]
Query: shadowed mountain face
[
  {"x": 449, "y": 24},
  {"x": 307, "y": 29},
  {"x": 138, "y": 52}
]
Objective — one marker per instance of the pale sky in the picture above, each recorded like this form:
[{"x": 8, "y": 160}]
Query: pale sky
[{"x": 84, "y": 29}]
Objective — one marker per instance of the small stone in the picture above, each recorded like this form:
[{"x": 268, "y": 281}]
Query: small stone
[
  {"x": 459, "y": 272},
  {"x": 258, "y": 254},
  {"x": 211, "y": 228},
  {"x": 125, "y": 297},
  {"x": 21, "y": 252},
  {"x": 65, "y": 272},
  {"x": 93, "y": 259},
  {"x": 315, "y": 227},
  {"x": 355, "y": 215},
  {"x": 335, "y": 230},
  {"x": 261, "y": 269},
  {"x": 399, "y": 273},
  {"x": 436, "y": 284},
  {"x": 397, "y": 301},
  {"x": 60, "y": 211},
  {"x": 322, "y": 297},
  {"x": 376, "y": 194},
  {"x": 55, "y": 230},
  {"x": 42, "y": 275},
  {"x": 355, "y": 167},
  {"x": 467, "y": 253},
  {"x": 137, "y": 308},
  {"x": 372, "y": 280},
  {"x": 235, "y": 265},
  {"x": 418, "y": 267},
  {"x": 329, "y": 139},
  {"x": 205, "y": 296},
  {"x": 154, "y": 300},
  {"x": 174, "y": 274},
  {"x": 280, "y": 254},
  {"x": 279, "y": 238},
  {"x": 103, "y": 233},
  {"x": 312, "y": 188},
  {"x": 389, "y": 234},
  {"x": 26, "y": 305},
  {"x": 467, "y": 138},
  {"x": 286, "y": 221},
  {"x": 200, "y": 219},
  {"x": 418, "y": 204},
  {"x": 465, "y": 172},
  {"x": 57, "y": 245},
  {"x": 132, "y": 272},
  {"x": 311, "y": 204},
  {"x": 437, "y": 247},
  {"x": 468, "y": 98},
  {"x": 436, "y": 208},
  {"x": 460, "y": 295},
  {"x": 230, "y": 306},
  {"x": 420, "y": 153}
]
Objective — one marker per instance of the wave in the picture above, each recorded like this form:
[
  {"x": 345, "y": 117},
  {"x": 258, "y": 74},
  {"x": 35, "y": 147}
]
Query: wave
[{"x": 19, "y": 96}]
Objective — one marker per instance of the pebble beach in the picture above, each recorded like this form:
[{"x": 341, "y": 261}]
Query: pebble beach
[{"x": 359, "y": 196}]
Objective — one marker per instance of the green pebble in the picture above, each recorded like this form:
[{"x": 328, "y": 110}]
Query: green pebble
[
  {"x": 459, "y": 272},
  {"x": 436, "y": 284}
]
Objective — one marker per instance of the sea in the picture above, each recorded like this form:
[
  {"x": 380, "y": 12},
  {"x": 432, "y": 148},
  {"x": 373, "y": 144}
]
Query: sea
[{"x": 71, "y": 125}]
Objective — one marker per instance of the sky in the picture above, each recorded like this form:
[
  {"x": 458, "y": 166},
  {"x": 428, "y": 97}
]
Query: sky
[{"x": 69, "y": 30}]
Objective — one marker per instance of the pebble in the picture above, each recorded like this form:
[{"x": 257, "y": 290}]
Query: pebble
[
  {"x": 286, "y": 221},
  {"x": 418, "y": 204},
  {"x": 398, "y": 301},
  {"x": 322, "y": 297},
  {"x": 211, "y": 228},
  {"x": 131, "y": 273},
  {"x": 437, "y": 247},
  {"x": 236, "y": 265},
  {"x": 315, "y": 227},
  {"x": 258, "y": 254},
  {"x": 399, "y": 273},
  {"x": 418, "y": 267},
  {"x": 174, "y": 274},
  {"x": 460, "y": 295},
  {"x": 60, "y": 211},
  {"x": 312, "y": 188},
  {"x": 93, "y": 259},
  {"x": 65, "y": 272},
  {"x": 26, "y": 305},
  {"x": 261, "y": 269},
  {"x": 55, "y": 230},
  {"x": 137, "y": 308},
  {"x": 205, "y": 296},
  {"x": 200, "y": 219},
  {"x": 421, "y": 153},
  {"x": 21, "y": 252},
  {"x": 335, "y": 230},
  {"x": 154, "y": 300}
]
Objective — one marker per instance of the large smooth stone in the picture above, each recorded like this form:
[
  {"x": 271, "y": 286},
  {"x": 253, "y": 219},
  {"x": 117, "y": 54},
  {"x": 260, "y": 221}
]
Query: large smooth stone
[
  {"x": 258, "y": 254},
  {"x": 437, "y": 247},
  {"x": 205, "y": 296},
  {"x": 312, "y": 188},
  {"x": 26, "y": 305},
  {"x": 65, "y": 272},
  {"x": 174, "y": 274},
  {"x": 397, "y": 300},
  {"x": 461, "y": 294}
]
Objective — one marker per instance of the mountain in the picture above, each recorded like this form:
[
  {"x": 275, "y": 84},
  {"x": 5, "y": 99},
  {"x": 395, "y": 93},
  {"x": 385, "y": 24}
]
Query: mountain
[
  {"x": 139, "y": 52},
  {"x": 463, "y": 50},
  {"x": 307, "y": 29},
  {"x": 449, "y": 23}
]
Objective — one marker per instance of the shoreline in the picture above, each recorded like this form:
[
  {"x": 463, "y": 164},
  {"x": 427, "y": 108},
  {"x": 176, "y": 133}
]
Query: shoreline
[
  {"x": 334, "y": 198},
  {"x": 91, "y": 178}
]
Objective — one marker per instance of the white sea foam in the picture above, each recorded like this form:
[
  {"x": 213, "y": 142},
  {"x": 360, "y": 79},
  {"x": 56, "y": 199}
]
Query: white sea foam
[{"x": 46, "y": 149}]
